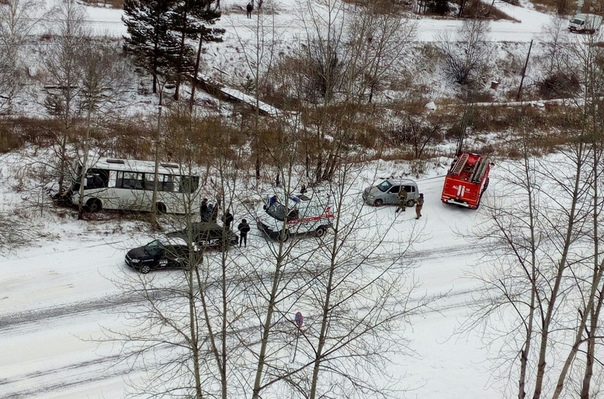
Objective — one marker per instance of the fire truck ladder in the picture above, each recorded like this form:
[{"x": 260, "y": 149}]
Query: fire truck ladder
[
  {"x": 459, "y": 164},
  {"x": 479, "y": 170}
]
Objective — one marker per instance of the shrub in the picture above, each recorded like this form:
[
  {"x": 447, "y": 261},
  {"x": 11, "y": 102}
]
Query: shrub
[{"x": 559, "y": 84}]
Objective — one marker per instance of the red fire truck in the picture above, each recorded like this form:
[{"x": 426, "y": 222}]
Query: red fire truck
[{"x": 466, "y": 180}]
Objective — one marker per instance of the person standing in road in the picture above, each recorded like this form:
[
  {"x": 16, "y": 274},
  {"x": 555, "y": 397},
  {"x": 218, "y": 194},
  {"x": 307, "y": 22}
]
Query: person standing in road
[
  {"x": 243, "y": 228},
  {"x": 228, "y": 219},
  {"x": 402, "y": 200},
  {"x": 204, "y": 210},
  {"x": 214, "y": 213},
  {"x": 249, "y": 8},
  {"x": 419, "y": 205}
]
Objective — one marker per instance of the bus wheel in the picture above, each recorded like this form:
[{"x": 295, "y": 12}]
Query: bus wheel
[
  {"x": 320, "y": 231},
  {"x": 160, "y": 207},
  {"x": 93, "y": 205}
]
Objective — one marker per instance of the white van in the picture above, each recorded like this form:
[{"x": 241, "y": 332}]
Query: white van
[
  {"x": 386, "y": 192},
  {"x": 585, "y": 23},
  {"x": 306, "y": 213}
]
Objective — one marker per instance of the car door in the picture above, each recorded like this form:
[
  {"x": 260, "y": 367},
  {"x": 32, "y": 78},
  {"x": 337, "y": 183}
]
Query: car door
[
  {"x": 411, "y": 194},
  {"x": 159, "y": 257},
  {"x": 391, "y": 196},
  {"x": 173, "y": 256}
]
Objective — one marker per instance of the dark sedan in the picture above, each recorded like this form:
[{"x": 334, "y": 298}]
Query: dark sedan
[
  {"x": 208, "y": 235},
  {"x": 169, "y": 253}
]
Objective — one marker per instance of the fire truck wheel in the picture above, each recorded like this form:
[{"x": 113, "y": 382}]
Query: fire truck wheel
[{"x": 378, "y": 202}]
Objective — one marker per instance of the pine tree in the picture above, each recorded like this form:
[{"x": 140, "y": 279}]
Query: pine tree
[
  {"x": 189, "y": 20},
  {"x": 151, "y": 39}
]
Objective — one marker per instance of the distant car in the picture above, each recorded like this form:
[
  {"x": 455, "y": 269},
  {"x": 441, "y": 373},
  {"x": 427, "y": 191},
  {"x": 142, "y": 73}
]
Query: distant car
[
  {"x": 386, "y": 193},
  {"x": 208, "y": 235},
  {"x": 166, "y": 253}
]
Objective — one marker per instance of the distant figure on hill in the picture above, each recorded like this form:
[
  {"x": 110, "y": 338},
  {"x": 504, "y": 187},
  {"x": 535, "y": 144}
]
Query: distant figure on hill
[{"x": 249, "y": 8}]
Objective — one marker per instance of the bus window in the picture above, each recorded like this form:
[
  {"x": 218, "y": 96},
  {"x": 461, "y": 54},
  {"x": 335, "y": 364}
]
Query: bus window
[
  {"x": 164, "y": 182},
  {"x": 150, "y": 181},
  {"x": 131, "y": 180},
  {"x": 112, "y": 178},
  {"x": 168, "y": 183},
  {"x": 97, "y": 178},
  {"x": 189, "y": 184}
]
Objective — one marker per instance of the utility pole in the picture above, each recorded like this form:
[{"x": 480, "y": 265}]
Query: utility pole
[
  {"x": 524, "y": 71},
  {"x": 154, "y": 210}
]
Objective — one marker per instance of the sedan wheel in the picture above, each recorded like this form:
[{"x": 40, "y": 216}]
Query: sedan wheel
[
  {"x": 378, "y": 202},
  {"x": 320, "y": 232},
  {"x": 145, "y": 269}
]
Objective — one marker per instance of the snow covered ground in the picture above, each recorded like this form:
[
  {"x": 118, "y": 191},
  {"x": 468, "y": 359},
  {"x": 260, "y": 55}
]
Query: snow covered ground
[
  {"x": 58, "y": 294},
  {"x": 289, "y": 19}
]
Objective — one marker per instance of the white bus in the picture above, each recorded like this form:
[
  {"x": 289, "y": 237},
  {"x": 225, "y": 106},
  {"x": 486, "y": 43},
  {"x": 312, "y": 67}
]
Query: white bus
[{"x": 120, "y": 184}]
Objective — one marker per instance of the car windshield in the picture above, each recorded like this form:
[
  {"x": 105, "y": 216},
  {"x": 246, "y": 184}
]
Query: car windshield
[
  {"x": 384, "y": 186},
  {"x": 577, "y": 22},
  {"x": 153, "y": 247},
  {"x": 277, "y": 211}
]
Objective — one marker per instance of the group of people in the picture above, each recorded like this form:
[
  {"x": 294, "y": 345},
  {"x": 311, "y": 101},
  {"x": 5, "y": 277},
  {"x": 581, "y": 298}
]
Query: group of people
[
  {"x": 402, "y": 203},
  {"x": 209, "y": 213}
]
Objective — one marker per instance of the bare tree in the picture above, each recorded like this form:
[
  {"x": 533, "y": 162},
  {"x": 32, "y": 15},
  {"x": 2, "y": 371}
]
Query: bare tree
[
  {"x": 377, "y": 41},
  {"x": 64, "y": 77},
  {"x": 540, "y": 261},
  {"x": 104, "y": 81},
  {"x": 467, "y": 57},
  {"x": 17, "y": 19}
]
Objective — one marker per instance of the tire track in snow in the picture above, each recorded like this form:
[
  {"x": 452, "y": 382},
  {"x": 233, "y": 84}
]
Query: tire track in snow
[
  {"x": 11, "y": 321},
  {"x": 53, "y": 379}
]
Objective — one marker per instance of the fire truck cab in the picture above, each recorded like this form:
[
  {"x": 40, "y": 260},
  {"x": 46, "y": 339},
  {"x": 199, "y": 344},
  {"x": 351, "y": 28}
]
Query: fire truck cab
[{"x": 466, "y": 180}]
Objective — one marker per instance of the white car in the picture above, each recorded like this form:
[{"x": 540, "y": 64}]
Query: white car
[{"x": 281, "y": 218}]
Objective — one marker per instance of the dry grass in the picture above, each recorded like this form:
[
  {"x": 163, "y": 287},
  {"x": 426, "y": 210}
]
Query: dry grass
[
  {"x": 560, "y": 7},
  {"x": 484, "y": 10},
  {"x": 383, "y": 6}
]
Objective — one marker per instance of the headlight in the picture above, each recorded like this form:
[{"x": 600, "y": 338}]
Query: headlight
[{"x": 135, "y": 260}]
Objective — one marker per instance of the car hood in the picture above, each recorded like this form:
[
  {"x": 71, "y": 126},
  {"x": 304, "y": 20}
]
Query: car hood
[
  {"x": 138, "y": 253},
  {"x": 372, "y": 190}
]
